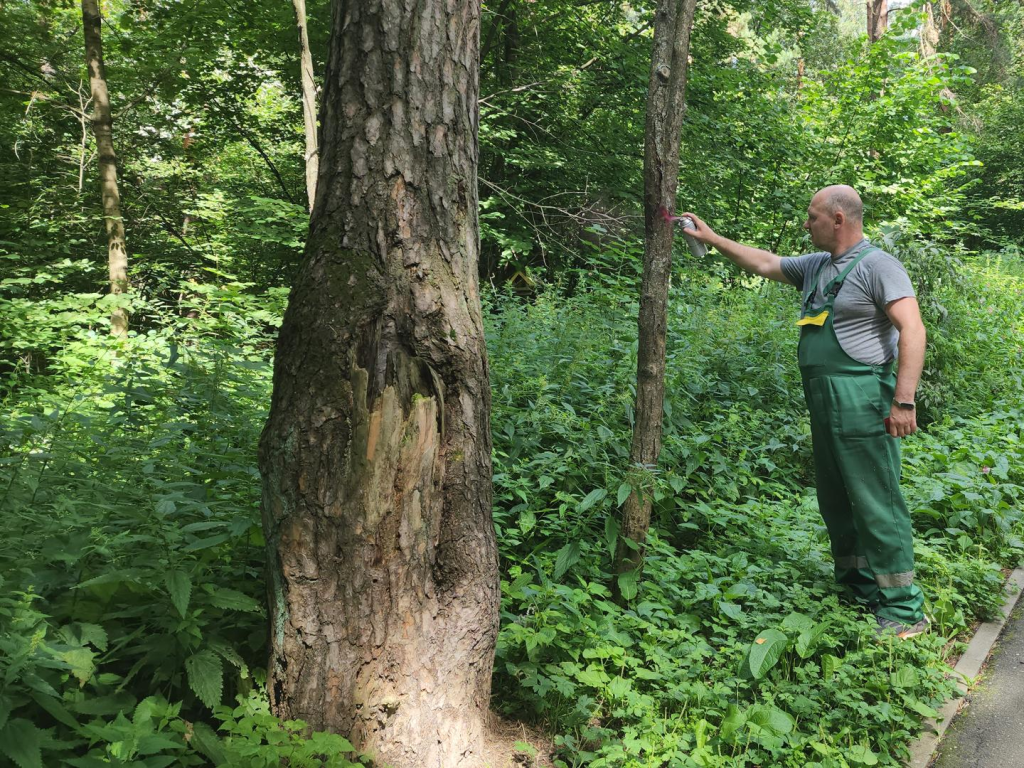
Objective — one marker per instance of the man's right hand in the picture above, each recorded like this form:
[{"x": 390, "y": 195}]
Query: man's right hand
[
  {"x": 701, "y": 231},
  {"x": 763, "y": 263}
]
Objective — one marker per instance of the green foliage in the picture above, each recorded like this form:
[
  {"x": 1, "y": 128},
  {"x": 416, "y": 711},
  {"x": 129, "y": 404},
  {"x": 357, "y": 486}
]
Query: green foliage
[
  {"x": 132, "y": 589},
  {"x": 677, "y": 676},
  {"x": 132, "y": 558}
]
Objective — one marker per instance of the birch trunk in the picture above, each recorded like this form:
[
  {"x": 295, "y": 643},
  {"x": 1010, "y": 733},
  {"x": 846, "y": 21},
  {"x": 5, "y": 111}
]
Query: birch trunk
[
  {"x": 666, "y": 105},
  {"x": 376, "y": 458},
  {"x": 309, "y": 110},
  {"x": 102, "y": 126}
]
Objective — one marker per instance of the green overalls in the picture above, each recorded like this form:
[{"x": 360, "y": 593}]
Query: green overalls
[{"x": 857, "y": 463}]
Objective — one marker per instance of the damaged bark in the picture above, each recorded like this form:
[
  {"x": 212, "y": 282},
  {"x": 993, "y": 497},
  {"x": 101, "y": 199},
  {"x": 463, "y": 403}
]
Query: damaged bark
[{"x": 376, "y": 458}]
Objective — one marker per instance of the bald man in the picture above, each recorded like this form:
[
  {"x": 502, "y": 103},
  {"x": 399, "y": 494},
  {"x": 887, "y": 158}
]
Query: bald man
[{"x": 858, "y": 315}]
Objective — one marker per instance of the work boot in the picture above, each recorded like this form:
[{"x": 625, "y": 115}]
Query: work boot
[{"x": 902, "y": 631}]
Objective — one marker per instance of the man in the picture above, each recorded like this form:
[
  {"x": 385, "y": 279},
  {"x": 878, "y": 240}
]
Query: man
[{"x": 858, "y": 310}]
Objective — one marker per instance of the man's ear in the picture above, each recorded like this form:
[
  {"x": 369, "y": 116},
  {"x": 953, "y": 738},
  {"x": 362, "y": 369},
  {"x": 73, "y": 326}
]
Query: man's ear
[{"x": 838, "y": 219}]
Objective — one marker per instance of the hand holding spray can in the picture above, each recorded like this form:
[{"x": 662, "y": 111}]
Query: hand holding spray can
[{"x": 697, "y": 248}]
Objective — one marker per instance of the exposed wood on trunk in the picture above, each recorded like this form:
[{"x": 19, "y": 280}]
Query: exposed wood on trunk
[
  {"x": 666, "y": 106},
  {"x": 878, "y": 19},
  {"x": 102, "y": 126},
  {"x": 376, "y": 458},
  {"x": 308, "y": 102}
]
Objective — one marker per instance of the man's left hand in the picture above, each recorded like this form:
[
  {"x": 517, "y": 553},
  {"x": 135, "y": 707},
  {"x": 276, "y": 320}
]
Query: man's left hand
[{"x": 902, "y": 421}]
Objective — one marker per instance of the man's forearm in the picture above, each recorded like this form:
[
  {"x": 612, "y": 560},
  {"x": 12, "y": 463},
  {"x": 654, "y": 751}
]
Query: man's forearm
[
  {"x": 911, "y": 362},
  {"x": 755, "y": 260}
]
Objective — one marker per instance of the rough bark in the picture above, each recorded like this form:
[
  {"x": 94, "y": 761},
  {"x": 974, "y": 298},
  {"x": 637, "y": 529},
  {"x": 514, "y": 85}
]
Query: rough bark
[
  {"x": 878, "y": 19},
  {"x": 666, "y": 105},
  {"x": 376, "y": 458},
  {"x": 308, "y": 102},
  {"x": 102, "y": 126}
]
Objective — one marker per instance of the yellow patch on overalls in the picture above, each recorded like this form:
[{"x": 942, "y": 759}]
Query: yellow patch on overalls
[{"x": 816, "y": 320}]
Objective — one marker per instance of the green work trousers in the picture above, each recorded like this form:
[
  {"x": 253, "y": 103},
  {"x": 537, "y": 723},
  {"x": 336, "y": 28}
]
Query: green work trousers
[{"x": 857, "y": 466}]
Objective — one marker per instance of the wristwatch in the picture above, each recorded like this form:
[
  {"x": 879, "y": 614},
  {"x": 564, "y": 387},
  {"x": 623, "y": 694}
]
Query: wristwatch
[{"x": 904, "y": 406}]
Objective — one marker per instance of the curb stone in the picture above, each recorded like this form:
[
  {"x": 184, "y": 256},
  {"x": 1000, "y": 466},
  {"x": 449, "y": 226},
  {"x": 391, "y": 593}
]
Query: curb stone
[{"x": 922, "y": 750}]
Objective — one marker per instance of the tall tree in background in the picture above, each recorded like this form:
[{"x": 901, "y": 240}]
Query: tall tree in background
[
  {"x": 102, "y": 126},
  {"x": 666, "y": 105},
  {"x": 309, "y": 110},
  {"x": 376, "y": 458},
  {"x": 878, "y": 19}
]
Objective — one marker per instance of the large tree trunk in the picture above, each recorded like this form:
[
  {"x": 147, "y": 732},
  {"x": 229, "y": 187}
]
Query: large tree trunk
[
  {"x": 376, "y": 458},
  {"x": 878, "y": 19},
  {"x": 102, "y": 126},
  {"x": 308, "y": 102},
  {"x": 666, "y": 105}
]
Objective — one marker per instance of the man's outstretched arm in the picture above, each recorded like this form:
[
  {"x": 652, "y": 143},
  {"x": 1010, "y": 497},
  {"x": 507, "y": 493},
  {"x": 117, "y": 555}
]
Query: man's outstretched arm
[{"x": 760, "y": 262}]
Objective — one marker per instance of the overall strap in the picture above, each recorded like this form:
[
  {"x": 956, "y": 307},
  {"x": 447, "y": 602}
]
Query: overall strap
[{"x": 836, "y": 282}]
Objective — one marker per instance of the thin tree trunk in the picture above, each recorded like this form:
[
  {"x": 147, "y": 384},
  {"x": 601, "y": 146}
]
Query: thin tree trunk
[
  {"x": 666, "y": 105},
  {"x": 878, "y": 19},
  {"x": 102, "y": 126},
  {"x": 928, "y": 36},
  {"x": 376, "y": 458},
  {"x": 308, "y": 102}
]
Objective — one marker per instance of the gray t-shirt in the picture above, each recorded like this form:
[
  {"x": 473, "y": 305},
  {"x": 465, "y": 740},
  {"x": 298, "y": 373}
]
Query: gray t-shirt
[{"x": 863, "y": 329}]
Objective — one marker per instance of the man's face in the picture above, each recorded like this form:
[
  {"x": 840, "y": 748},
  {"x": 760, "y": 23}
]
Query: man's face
[{"x": 820, "y": 225}]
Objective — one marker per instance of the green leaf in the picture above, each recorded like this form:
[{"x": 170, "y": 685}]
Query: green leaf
[
  {"x": 861, "y": 755},
  {"x": 611, "y": 534},
  {"x": 734, "y": 720},
  {"x": 104, "y": 705},
  {"x": 594, "y": 676},
  {"x": 81, "y": 662},
  {"x": 618, "y": 688},
  {"x": 921, "y": 708},
  {"x": 904, "y": 677},
  {"x": 5, "y": 710},
  {"x": 568, "y": 556},
  {"x": 179, "y": 585},
  {"x": 209, "y": 541},
  {"x": 94, "y": 634},
  {"x": 234, "y": 600},
  {"x": 807, "y": 643},
  {"x": 157, "y": 742},
  {"x": 731, "y": 610},
  {"x": 829, "y": 665},
  {"x": 55, "y": 708},
  {"x": 20, "y": 740},
  {"x": 628, "y": 583},
  {"x": 206, "y": 741},
  {"x": 624, "y": 490},
  {"x": 591, "y": 499},
  {"x": 797, "y": 623},
  {"x": 771, "y": 718},
  {"x": 765, "y": 652},
  {"x": 527, "y": 520},
  {"x": 700, "y": 733},
  {"x": 205, "y": 677}
]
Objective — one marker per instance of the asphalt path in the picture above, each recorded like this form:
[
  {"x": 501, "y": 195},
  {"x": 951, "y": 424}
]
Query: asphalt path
[{"x": 989, "y": 731}]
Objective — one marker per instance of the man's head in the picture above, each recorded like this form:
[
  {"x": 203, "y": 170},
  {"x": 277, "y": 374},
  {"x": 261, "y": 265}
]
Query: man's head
[{"x": 835, "y": 218}]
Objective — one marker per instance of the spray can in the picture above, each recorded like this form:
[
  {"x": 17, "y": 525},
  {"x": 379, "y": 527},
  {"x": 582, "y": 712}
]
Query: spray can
[{"x": 697, "y": 248}]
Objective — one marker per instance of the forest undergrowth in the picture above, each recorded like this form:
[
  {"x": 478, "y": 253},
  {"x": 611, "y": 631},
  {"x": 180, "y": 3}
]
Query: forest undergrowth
[{"x": 132, "y": 627}]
